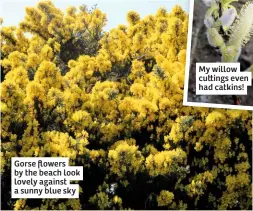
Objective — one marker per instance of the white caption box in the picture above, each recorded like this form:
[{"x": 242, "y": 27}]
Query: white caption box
[
  {"x": 42, "y": 177},
  {"x": 221, "y": 79}
]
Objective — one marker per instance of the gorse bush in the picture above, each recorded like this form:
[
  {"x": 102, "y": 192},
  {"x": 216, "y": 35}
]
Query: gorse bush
[{"x": 112, "y": 103}]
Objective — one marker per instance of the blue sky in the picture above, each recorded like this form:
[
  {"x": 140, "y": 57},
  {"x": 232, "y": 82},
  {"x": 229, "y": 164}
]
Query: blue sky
[{"x": 13, "y": 11}]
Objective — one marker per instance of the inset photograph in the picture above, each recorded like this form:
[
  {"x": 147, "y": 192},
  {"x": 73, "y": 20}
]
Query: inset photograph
[{"x": 220, "y": 35}]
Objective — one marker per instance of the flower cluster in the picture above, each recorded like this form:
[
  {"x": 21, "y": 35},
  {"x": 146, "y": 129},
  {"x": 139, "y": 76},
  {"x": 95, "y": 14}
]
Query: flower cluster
[{"x": 112, "y": 103}]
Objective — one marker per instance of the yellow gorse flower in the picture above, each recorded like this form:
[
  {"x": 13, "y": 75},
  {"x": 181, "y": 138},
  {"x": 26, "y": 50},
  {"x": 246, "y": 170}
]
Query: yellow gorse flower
[{"x": 112, "y": 103}]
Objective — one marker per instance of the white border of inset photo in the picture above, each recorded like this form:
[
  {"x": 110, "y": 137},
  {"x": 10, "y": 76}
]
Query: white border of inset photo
[{"x": 187, "y": 70}]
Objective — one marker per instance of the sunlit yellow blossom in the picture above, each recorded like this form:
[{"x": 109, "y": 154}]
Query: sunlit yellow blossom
[{"x": 112, "y": 102}]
